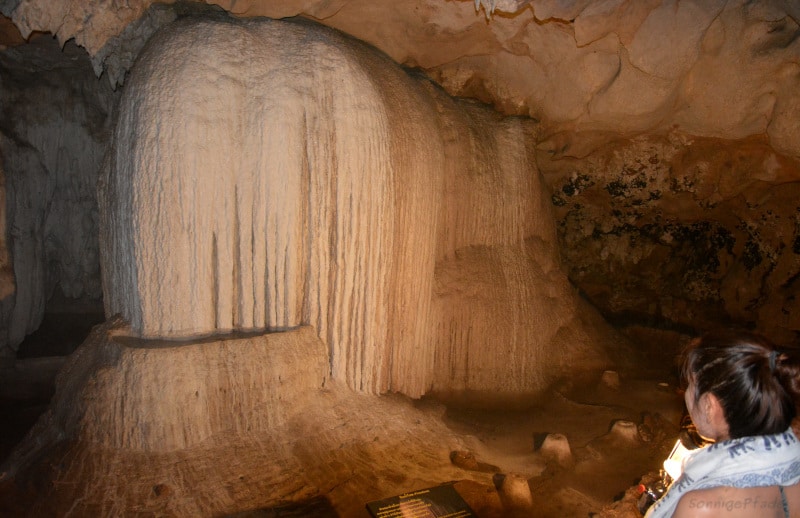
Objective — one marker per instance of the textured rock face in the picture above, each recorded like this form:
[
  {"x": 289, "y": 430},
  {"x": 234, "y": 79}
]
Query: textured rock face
[
  {"x": 252, "y": 424},
  {"x": 216, "y": 427},
  {"x": 692, "y": 233},
  {"x": 52, "y": 139},
  {"x": 7, "y": 283},
  {"x": 215, "y": 392},
  {"x": 715, "y": 68},
  {"x": 724, "y": 69},
  {"x": 259, "y": 179}
]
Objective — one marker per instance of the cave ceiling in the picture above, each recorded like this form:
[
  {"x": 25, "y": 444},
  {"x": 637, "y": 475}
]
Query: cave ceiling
[{"x": 711, "y": 68}]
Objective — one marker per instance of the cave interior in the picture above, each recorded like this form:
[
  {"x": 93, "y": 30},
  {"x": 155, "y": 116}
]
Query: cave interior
[{"x": 474, "y": 243}]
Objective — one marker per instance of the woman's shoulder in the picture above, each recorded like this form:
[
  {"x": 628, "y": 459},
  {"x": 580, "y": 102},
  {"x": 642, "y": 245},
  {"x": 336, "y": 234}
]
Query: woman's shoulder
[{"x": 731, "y": 502}]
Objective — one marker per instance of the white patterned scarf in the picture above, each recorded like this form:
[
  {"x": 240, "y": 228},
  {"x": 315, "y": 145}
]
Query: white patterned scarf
[{"x": 762, "y": 460}]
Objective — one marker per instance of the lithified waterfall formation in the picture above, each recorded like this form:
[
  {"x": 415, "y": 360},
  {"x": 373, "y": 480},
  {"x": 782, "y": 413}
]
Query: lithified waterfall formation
[{"x": 270, "y": 174}]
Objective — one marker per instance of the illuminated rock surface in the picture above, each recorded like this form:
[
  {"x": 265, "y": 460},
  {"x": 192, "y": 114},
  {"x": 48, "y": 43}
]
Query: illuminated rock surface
[
  {"x": 715, "y": 68},
  {"x": 254, "y": 424},
  {"x": 409, "y": 230},
  {"x": 588, "y": 72},
  {"x": 666, "y": 132}
]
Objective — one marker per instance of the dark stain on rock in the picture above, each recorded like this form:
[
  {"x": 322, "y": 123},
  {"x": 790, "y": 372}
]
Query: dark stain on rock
[
  {"x": 557, "y": 200},
  {"x": 616, "y": 188},
  {"x": 577, "y": 184},
  {"x": 640, "y": 182}
]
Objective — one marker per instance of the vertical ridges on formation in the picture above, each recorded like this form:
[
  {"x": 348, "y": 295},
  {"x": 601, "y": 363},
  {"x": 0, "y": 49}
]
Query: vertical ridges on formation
[{"x": 272, "y": 174}]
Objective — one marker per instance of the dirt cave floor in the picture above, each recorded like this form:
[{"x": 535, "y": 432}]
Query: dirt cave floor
[{"x": 351, "y": 450}]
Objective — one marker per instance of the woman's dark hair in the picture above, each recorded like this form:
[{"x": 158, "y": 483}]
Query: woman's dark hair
[{"x": 757, "y": 384}]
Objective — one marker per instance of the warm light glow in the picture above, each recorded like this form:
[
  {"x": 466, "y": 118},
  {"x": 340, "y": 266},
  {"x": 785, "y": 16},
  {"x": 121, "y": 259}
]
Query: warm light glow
[{"x": 674, "y": 463}]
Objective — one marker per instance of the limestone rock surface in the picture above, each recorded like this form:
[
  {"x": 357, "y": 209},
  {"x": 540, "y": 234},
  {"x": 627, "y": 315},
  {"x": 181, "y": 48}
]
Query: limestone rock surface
[
  {"x": 722, "y": 68},
  {"x": 259, "y": 178},
  {"x": 252, "y": 425},
  {"x": 680, "y": 233},
  {"x": 53, "y": 135},
  {"x": 217, "y": 427}
]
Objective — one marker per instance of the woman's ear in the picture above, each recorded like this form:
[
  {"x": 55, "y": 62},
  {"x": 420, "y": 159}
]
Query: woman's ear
[{"x": 714, "y": 415}]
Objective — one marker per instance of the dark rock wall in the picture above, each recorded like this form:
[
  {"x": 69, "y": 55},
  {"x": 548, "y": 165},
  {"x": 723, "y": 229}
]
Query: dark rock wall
[
  {"x": 682, "y": 234},
  {"x": 54, "y": 115}
]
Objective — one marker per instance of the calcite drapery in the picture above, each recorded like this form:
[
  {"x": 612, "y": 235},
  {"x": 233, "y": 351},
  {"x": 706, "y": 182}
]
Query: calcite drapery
[{"x": 268, "y": 174}]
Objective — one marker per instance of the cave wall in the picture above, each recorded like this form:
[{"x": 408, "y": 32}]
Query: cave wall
[
  {"x": 721, "y": 68},
  {"x": 53, "y": 135},
  {"x": 7, "y": 282},
  {"x": 691, "y": 233}
]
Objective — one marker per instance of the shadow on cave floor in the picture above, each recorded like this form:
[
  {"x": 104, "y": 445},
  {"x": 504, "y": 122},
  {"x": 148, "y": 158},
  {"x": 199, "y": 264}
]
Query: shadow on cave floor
[
  {"x": 59, "y": 334},
  {"x": 27, "y": 386}
]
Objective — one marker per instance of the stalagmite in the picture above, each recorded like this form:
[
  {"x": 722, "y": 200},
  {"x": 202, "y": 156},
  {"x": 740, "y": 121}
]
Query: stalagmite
[
  {"x": 624, "y": 431},
  {"x": 515, "y": 494},
  {"x": 555, "y": 448}
]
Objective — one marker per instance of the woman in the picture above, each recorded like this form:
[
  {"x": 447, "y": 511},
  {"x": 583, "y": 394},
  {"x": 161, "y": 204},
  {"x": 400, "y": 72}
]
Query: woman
[{"x": 742, "y": 394}]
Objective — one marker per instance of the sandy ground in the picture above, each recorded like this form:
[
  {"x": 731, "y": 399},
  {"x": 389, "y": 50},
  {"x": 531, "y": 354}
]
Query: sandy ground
[{"x": 606, "y": 466}]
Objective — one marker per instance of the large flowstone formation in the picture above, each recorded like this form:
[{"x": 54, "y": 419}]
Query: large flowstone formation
[
  {"x": 269, "y": 174},
  {"x": 289, "y": 221},
  {"x": 214, "y": 427}
]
